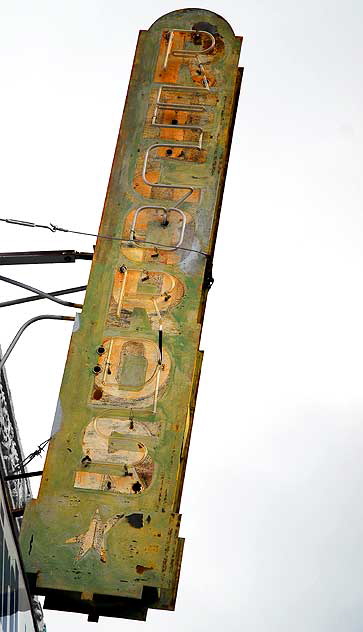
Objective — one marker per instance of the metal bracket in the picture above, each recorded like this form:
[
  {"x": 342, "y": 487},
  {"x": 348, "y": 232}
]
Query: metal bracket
[
  {"x": 43, "y": 256},
  {"x": 15, "y": 477},
  {"x": 18, "y": 512}
]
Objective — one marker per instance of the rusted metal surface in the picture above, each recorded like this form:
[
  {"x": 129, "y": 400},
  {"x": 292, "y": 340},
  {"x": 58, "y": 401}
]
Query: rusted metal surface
[{"x": 102, "y": 537}]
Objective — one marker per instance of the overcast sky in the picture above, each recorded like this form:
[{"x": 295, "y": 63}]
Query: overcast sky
[{"x": 272, "y": 505}]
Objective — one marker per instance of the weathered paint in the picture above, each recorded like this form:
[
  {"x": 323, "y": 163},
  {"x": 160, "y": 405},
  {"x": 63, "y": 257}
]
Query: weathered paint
[{"x": 102, "y": 536}]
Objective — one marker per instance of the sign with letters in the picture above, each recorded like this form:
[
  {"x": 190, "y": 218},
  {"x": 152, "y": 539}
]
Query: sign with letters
[{"x": 102, "y": 536}]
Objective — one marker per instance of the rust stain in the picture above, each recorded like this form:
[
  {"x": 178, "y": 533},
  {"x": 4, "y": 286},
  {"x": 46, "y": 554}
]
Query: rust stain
[
  {"x": 110, "y": 494},
  {"x": 141, "y": 569}
]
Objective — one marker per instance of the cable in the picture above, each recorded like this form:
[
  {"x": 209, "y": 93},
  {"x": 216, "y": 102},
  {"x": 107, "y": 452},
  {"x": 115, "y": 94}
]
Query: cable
[
  {"x": 53, "y": 228},
  {"x": 40, "y": 293},
  {"x": 28, "y": 299},
  {"x": 29, "y": 224},
  {"x": 31, "y": 456},
  {"x": 140, "y": 241}
]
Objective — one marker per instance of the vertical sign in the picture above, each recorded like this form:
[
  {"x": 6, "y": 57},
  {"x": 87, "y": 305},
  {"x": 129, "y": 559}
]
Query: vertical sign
[{"x": 102, "y": 536}]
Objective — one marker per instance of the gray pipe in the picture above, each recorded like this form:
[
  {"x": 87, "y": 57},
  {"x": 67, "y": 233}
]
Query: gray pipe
[{"x": 23, "y": 328}]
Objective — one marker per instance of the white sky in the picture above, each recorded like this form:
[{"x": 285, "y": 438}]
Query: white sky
[{"x": 272, "y": 505}]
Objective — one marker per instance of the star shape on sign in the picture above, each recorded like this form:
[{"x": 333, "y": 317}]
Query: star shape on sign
[{"x": 94, "y": 537}]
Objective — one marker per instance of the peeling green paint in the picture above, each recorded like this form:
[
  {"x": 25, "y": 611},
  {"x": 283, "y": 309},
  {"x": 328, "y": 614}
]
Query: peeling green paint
[{"x": 104, "y": 528}]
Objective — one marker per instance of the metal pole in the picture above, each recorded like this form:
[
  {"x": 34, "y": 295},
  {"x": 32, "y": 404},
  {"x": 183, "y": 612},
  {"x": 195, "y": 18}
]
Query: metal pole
[
  {"x": 42, "y": 256},
  {"x": 15, "y": 477},
  {"x": 23, "y": 328},
  {"x": 36, "y": 291}
]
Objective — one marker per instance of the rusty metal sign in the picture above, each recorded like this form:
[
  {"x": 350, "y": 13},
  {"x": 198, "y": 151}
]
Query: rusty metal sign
[{"x": 102, "y": 536}]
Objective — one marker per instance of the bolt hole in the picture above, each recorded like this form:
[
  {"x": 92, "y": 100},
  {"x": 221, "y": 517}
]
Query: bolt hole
[
  {"x": 197, "y": 39},
  {"x": 136, "y": 487},
  {"x": 174, "y": 122},
  {"x": 169, "y": 152},
  {"x": 96, "y": 369},
  {"x": 101, "y": 350}
]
